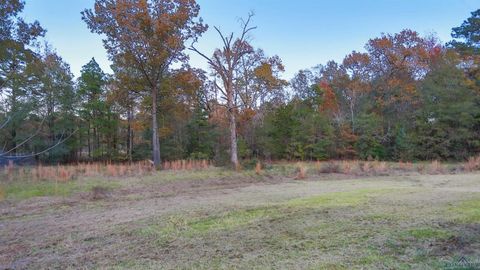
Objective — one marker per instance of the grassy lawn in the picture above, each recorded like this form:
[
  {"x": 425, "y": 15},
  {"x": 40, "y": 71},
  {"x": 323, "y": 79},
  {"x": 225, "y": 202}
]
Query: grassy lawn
[
  {"x": 217, "y": 219},
  {"x": 25, "y": 190}
]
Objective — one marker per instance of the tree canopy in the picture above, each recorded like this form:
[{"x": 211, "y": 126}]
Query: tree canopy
[{"x": 404, "y": 97}]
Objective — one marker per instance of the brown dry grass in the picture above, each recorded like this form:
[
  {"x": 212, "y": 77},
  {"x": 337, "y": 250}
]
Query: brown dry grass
[
  {"x": 381, "y": 168},
  {"x": 331, "y": 167},
  {"x": 258, "y": 168},
  {"x": 473, "y": 164},
  {"x": 65, "y": 173},
  {"x": 435, "y": 167},
  {"x": 301, "y": 172},
  {"x": 405, "y": 166},
  {"x": 181, "y": 165}
]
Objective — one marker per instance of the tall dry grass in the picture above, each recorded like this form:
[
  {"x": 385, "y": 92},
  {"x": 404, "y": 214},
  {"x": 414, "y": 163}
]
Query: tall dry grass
[
  {"x": 301, "y": 172},
  {"x": 186, "y": 165},
  {"x": 258, "y": 168},
  {"x": 65, "y": 173},
  {"x": 473, "y": 164},
  {"x": 380, "y": 168},
  {"x": 436, "y": 167},
  {"x": 367, "y": 168},
  {"x": 349, "y": 167},
  {"x": 405, "y": 166}
]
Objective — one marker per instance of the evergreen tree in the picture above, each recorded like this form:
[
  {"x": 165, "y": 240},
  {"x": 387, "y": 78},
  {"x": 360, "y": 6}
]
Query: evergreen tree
[{"x": 450, "y": 112}]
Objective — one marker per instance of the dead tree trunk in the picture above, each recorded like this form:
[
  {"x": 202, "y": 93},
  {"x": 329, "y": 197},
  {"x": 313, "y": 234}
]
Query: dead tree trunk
[
  {"x": 225, "y": 63},
  {"x": 233, "y": 129}
]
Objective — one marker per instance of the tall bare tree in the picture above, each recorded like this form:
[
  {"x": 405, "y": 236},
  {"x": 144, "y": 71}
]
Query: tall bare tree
[{"x": 225, "y": 63}]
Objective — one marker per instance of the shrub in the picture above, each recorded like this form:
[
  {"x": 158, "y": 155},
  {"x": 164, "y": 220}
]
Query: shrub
[
  {"x": 330, "y": 167},
  {"x": 421, "y": 168},
  {"x": 366, "y": 167},
  {"x": 405, "y": 166},
  {"x": 436, "y": 167},
  {"x": 380, "y": 167},
  {"x": 473, "y": 164},
  {"x": 180, "y": 165},
  {"x": 301, "y": 172},
  {"x": 348, "y": 167},
  {"x": 99, "y": 193},
  {"x": 258, "y": 168},
  {"x": 249, "y": 164}
]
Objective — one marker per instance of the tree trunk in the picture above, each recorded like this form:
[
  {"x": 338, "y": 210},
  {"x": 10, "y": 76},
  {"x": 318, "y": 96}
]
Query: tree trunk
[
  {"x": 155, "y": 140},
  {"x": 89, "y": 143},
  {"x": 233, "y": 128},
  {"x": 233, "y": 140},
  {"x": 129, "y": 135},
  {"x": 352, "y": 113}
]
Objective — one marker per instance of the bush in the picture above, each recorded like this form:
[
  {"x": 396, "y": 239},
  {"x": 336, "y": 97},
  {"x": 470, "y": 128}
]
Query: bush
[
  {"x": 99, "y": 193},
  {"x": 301, "y": 172},
  {"x": 250, "y": 164},
  {"x": 473, "y": 164},
  {"x": 330, "y": 167},
  {"x": 199, "y": 156},
  {"x": 436, "y": 168}
]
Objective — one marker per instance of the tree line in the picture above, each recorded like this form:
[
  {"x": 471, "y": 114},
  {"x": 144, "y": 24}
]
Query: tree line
[{"x": 406, "y": 97}]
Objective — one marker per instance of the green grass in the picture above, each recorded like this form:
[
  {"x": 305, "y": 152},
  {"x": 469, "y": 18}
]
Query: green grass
[
  {"x": 193, "y": 175},
  {"x": 467, "y": 211},
  {"x": 164, "y": 231},
  {"x": 231, "y": 220},
  {"x": 372, "y": 223},
  {"x": 427, "y": 233},
  {"x": 338, "y": 199},
  {"x": 340, "y": 229},
  {"x": 185, "y": 226},
  {"x": 23, "y": 190}
]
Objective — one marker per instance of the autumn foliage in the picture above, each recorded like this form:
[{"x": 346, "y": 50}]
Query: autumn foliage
[{"x": 404, "y": 97}]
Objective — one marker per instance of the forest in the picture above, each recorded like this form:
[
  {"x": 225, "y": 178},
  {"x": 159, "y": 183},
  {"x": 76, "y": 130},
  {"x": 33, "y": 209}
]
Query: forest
[{"x": 405, "y": 97}]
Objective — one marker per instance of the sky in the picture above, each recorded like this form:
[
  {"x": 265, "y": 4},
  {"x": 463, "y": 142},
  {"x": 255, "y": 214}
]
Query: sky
[{"x": 304, "y": 33}]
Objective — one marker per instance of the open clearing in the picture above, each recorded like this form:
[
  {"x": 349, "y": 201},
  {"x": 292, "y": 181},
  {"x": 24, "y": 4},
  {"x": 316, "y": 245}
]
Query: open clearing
[{"x": 216, "y": 219}]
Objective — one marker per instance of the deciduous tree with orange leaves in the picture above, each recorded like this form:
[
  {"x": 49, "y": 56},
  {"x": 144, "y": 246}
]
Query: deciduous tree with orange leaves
[
  {"x": 398, "y": 61},
  {"x": 148, "y": 35}
]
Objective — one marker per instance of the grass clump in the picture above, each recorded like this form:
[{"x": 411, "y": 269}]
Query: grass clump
[
  {"x": 473, "y": 164},
  {"x": 427, "y": 233},
  {"x": 467, "y": 211},
  {"x": 338, "y": 199},
  {"x": 23, "y": 190},
  {"x": 99, "y": 192},
  {"x": 435, "y": 167},
  {"x": 301, "y": 172},
  {"x": 2, "y": 193},
  {"x": 230, "y": 220},
  {"x": 331, "y": 167},
  {"x": 181, "y": 226}
]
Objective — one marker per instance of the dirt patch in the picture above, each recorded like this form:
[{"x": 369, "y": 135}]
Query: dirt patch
[{"x": 466, "y": 241}]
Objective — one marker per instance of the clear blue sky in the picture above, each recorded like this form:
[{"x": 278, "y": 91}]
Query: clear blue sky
[{"x": 303, "y": 33}]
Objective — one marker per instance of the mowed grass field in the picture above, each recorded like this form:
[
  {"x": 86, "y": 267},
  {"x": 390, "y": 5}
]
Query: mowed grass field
[{"x": 219, "y": 219}]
